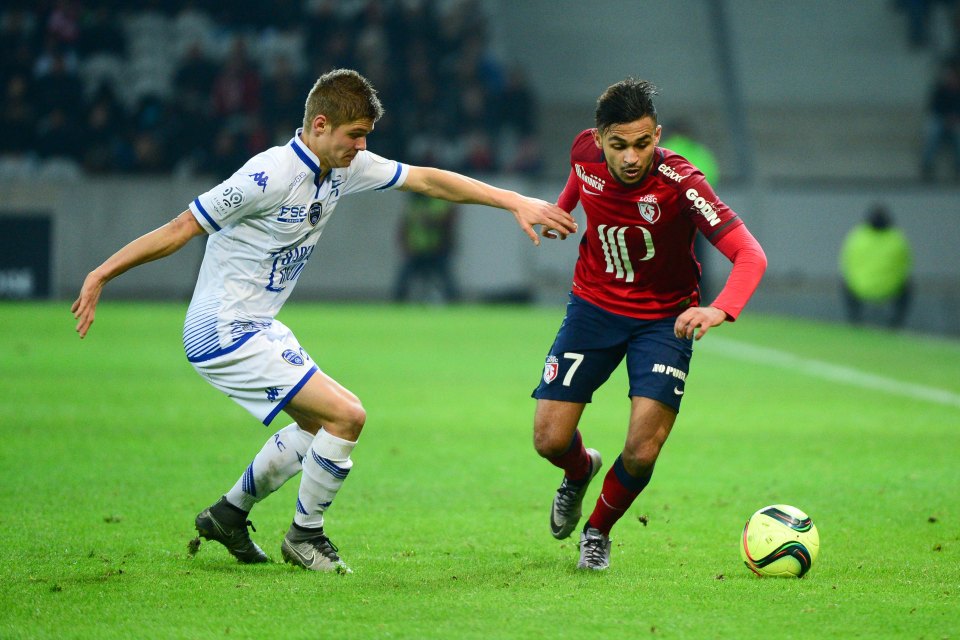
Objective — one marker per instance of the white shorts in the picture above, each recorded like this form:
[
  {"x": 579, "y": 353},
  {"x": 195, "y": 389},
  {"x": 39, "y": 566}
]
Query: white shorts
[{"x": 263, "y": 374}]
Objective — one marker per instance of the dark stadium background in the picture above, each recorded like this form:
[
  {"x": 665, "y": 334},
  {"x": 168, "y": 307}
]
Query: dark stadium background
[{"x": 116, "y": 114}]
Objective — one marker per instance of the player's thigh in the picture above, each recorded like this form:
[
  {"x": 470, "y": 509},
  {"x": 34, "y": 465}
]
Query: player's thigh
[
  {"x": 324, "y": 402},
  {"x": 658, "y": 362},
  {"x": 589, "y": 346},
  {"x": 554, "y": 424}
]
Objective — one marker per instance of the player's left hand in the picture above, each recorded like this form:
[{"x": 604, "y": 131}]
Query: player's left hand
[
  {"x": 696, "y": 321},
  {"x": 554, "y": 222}
]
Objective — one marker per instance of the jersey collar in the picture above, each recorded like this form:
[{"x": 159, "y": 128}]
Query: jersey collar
[{"x": 308, "y": 158}]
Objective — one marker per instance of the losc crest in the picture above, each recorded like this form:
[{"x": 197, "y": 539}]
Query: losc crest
[{"x": 550, "y": 369}]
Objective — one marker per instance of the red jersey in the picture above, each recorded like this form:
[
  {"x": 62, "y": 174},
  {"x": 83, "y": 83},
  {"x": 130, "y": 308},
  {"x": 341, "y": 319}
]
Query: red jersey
[{"x": 636, "y": 255}]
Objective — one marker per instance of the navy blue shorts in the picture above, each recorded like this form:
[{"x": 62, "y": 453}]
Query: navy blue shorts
[{"x": 592, "y": 342}]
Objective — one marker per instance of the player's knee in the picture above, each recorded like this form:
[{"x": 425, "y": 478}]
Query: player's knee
[
  {"x": 549, "y": 444},
  {"x": 640, "y": 457},
  {"x": 353, "y": 417}
]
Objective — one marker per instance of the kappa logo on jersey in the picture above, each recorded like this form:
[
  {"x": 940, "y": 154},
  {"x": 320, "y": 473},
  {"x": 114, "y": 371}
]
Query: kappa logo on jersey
[
  {"x": 293, "y": 357},
  {"x": 550, "y": 369},
  {"x": 670, "y": 172},
  {"x": 705, "y": 208},
  {"x": 592, "y": 180},
  {"x": 649, "y": 211},
  {"x": 316, "y": 210},
  {"x": 260, "y": 178},
  {"x": 273, "y": 393}
]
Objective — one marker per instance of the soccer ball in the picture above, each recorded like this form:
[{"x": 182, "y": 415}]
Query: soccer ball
[{"x": 779, "y": 540}]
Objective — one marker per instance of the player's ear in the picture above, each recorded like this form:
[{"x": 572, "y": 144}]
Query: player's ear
[
  {"x": 597, "y": 140},
  {"x": 656, "y": 135},
  {"x": 320, "y": 123}
]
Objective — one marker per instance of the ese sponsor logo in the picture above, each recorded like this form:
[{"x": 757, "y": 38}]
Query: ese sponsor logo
[
  {"x": 292, "y": 214},
  {"x": 705, "y": 208}
]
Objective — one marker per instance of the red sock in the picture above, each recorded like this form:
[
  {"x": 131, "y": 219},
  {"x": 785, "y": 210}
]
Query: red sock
[
  {"x": 619, "y": 491},
  {"x": 575, "y": 462}
]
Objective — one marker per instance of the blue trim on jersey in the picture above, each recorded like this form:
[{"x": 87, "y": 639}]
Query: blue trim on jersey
[
  {"x": 307, "y": 160},
  {"x": 393, "y": 181},
  {"x": 206, "y": 215},
  {"x": 287, "y": 398},
  {"x": 302, "y": 153},
  {"x": 221, "y": 352}
]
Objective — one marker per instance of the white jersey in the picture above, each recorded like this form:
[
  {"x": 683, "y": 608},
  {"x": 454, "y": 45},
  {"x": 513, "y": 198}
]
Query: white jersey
[{"x": 264, "y": 222}]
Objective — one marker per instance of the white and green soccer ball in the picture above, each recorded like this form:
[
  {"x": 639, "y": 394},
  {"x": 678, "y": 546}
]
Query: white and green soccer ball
[{"x": 781, "y": 541}]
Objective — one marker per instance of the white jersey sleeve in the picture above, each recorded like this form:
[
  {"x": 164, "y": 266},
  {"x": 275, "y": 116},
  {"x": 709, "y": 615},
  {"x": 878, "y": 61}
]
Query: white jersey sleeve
[
  {"x": 247, "y": 192},
  {"x": 368, "y": 171}
]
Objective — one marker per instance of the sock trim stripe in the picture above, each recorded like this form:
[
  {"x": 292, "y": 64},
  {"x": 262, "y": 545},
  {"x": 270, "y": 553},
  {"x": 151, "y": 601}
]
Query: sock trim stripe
[
  {"x": 329, "y": 466},
  {"x": 248, "y": 484}
]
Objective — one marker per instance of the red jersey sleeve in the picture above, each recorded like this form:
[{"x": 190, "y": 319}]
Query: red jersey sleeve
[
  {"x": 749, "y": 263},
  {"x": 570, "y": 195}
]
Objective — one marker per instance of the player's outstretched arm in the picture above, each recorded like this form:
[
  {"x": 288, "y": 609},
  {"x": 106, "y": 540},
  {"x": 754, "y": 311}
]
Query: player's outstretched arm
[
  {"x": 157, "y": 244},
  {"x": 454, "y": 187}
]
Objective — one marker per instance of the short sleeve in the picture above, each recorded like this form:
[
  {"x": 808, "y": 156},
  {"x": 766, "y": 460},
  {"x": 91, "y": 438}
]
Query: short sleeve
[
  {"x": 370, "y": 172},
  {"x": 248, "y": 191}
]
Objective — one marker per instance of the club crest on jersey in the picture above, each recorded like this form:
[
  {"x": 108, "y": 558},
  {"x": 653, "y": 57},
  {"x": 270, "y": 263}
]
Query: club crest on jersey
[
  {"x": 649, "y": 211},
  {"x": 550, "y": 369},
  {"x": 293, "y": 357},
  {"x": 316, "y": 210}
]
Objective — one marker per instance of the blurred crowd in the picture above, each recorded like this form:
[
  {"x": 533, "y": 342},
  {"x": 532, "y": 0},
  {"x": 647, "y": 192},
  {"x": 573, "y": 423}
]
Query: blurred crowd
[
  {"x": 197, "y": 87},
  {"x": 933, "y": 26}
]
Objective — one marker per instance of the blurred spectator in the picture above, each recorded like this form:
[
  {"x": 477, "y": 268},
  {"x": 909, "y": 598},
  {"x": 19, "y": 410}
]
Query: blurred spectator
[
  {"x": 104, "y": 146},
  {"x": 58, "y": 136},
  {"x": 426, "y": 238},
  {"x": 236, "y": 89},
  {"x": 18, "y": 117},
  {"x": 283, "y": 99},
  {"x": 875, "y": 265},
  {"x": 680, "y": 139},
  {"x": 943, "y": 120},
  {"x": 100, "y": 32},
  {"x": 58, "y": 56},
  {"x": 917, "y": 14},
  {"x": 57, "y": 85}
]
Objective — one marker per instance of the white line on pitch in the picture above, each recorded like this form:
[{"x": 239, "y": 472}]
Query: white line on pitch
[{"x": 827, "y": 371}]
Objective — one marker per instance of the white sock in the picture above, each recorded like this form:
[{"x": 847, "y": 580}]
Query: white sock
[
  {"x": 325, "y": 467},
  {"x": 279, "y": 460}
]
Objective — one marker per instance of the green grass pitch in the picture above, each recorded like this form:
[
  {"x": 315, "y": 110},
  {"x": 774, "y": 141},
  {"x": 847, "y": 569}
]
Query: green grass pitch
[{"x": 111, "y": 445}]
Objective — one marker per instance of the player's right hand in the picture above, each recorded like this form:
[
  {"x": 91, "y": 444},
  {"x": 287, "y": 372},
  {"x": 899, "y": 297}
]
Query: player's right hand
[{"x": 85, "y": 306}]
